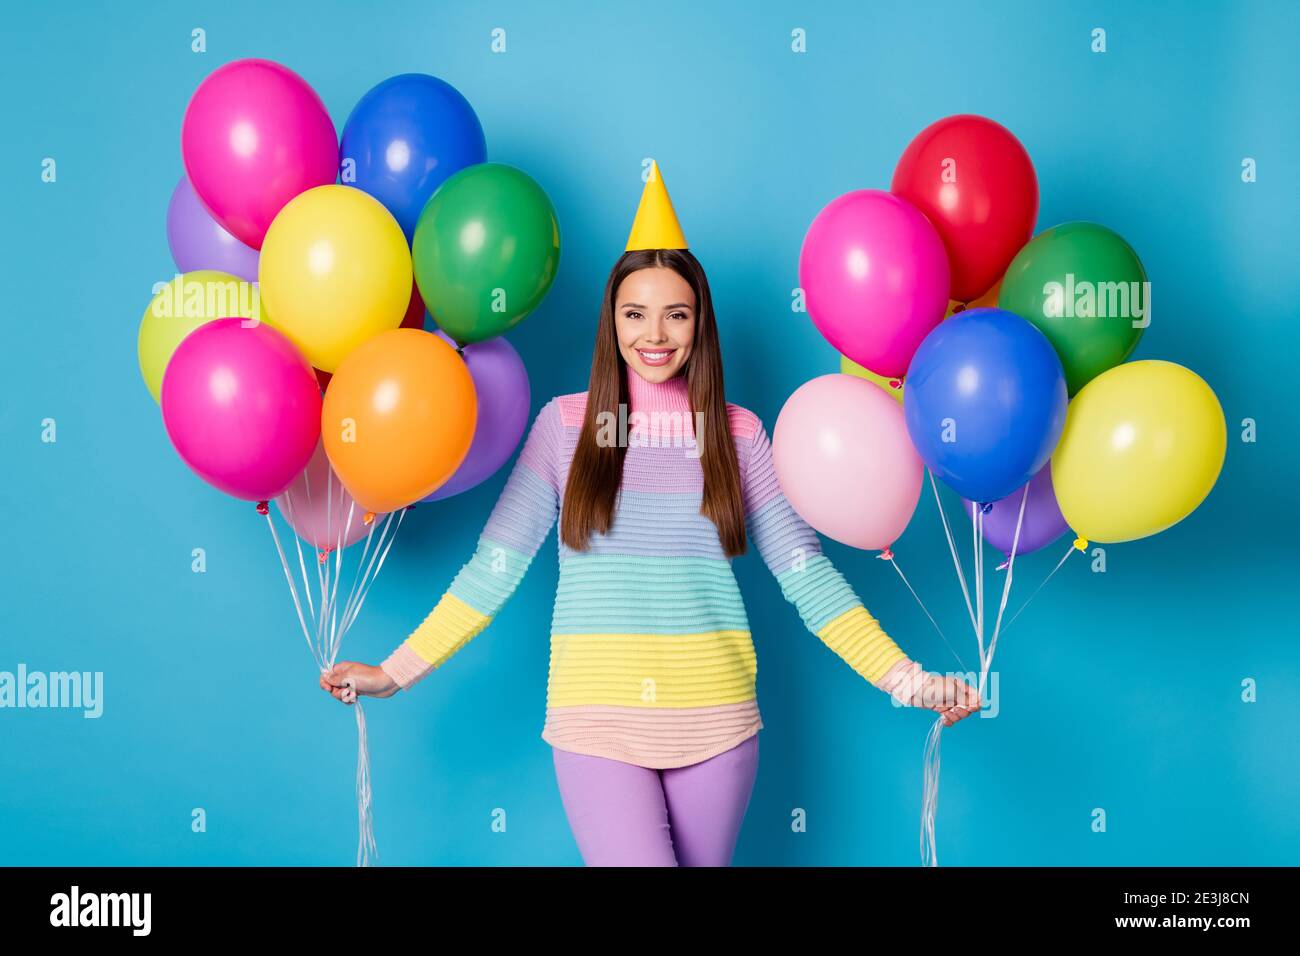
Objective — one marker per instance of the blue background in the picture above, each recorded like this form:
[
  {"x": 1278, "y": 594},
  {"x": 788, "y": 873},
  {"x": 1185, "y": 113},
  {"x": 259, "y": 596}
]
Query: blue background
[{"x": 1118, "y": 690}]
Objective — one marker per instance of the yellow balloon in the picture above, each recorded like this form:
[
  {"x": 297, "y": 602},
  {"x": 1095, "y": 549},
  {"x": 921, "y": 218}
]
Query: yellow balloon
[
  {"x": 178, "y": 308},
  {"x": 850, "y": 367},
  {"x": 1143, "y": 445},
  {"x": 335, "y": 271}
]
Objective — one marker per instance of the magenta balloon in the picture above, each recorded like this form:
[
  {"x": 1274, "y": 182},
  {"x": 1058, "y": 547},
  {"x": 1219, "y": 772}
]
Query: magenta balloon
[
  {"x": 845, "y": 462},
  {"x": 242, "y": 407},
  {"x": 254, "y": 136},
  {"x": 875, "y": 278},
  {"x": 501, "y": 384},
  {"x": 320, "y": 509},
  {"x": 1042, "y": 524},
  {"x": 198, "y": 241}
]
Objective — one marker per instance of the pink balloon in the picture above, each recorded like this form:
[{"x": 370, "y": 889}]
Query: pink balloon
[
  {"x": 254, "y": 136},
  {"x": 845, "y": 461},
  {"x": 316, "y": 506},
  {"x": 242, "y": 407},
  {"x": 875, "y": 278}
]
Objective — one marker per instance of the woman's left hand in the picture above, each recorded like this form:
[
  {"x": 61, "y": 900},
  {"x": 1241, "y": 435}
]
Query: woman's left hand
[{"x": 950, "y": 697}]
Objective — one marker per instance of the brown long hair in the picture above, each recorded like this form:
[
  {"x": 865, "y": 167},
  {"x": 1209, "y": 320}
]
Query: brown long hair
[{"x": 597, "y": 471}]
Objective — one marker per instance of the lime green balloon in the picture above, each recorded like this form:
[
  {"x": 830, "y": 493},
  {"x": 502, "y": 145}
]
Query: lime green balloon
[
  {"x": 486, "y": 250},
  {"x": 894, "y": 386},
  {"x": 1085, "y": 288},
  {"x": 181, "y": 306}
]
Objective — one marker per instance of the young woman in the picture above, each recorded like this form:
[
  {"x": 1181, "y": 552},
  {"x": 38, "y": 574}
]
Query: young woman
[{"x": 655, "y": 480}]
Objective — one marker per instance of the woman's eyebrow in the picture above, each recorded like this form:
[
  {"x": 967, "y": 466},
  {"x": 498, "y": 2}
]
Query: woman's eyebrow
[{"x": 638, "y": 305}]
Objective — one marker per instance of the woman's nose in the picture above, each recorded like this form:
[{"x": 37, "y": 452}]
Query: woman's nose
[{"x": 656, "y": 331}]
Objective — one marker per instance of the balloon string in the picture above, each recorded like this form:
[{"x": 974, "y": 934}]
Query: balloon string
[
  {"x": 356, "y": 575},
  {"x": 1065, "y": 557},
  {"x": 366, "y": 848},
  {"x": 930, "y": 794},
  {"x": 302, "y": 564},
  {"x": 382, "y": 558},
  {"x": 367, "y": 851},
  {"x": 306, "y": 481},
  {"x": 330, "y": 627},
  {"x": 334, "y": 638},
  {"x": 926, "y": 610},
  {"x": 952, "y": 547},
  {"x": 364, "y": 565},
  {"x": 324, "y": 572},
  {"x": 293, "y": 591},
  {"x": 1006, "y": 591},
  {"x": 325, "y": 568},
  {"x": 930, "y": 756},
  {"x": 977, "y": 539}
]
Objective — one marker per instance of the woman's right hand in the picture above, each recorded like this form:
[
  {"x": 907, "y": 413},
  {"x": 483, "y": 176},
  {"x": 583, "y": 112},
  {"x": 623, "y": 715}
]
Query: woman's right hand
[
  {"x": 952, "y": 698},
  {"x": 346, "y": 679}
]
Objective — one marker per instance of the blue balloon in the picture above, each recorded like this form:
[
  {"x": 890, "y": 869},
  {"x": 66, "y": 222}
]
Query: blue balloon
[
  {"x": 985, "y": 401},
  {"x": 405, "y": 137}
]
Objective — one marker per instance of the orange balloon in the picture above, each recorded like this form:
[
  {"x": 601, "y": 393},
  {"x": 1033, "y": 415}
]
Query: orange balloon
[{"x": 398, "y": 418}]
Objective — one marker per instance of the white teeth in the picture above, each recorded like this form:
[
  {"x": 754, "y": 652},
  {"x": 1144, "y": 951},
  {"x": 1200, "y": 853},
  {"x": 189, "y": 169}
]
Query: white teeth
[{"x": 654, "y": 356}]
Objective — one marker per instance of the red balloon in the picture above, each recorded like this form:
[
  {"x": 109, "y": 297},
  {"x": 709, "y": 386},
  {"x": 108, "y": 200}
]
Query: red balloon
[{"x": 975, "y": 182}]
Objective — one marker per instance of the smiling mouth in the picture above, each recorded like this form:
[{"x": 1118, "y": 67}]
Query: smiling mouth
[{"x": 655, "y": 357}]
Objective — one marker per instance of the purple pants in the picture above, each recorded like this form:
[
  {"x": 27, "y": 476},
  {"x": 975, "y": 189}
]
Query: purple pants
[{"x": 625, "y": 815}]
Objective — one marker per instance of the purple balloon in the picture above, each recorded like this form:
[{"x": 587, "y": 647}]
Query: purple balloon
[
  {"x": 198, "y": 241},
  {"x": 1043, "y": 522},
  {"x": 501, "y": 383}
]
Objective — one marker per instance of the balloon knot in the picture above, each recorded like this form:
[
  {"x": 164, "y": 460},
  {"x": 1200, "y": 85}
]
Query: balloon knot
[
  {"x": 1081, "y": 543},
  {"x": 959, "y": 307},
  {"x": 986, "y": 507},
  {"x": 409, "y": 507},
  {"x": 886, "y": 555},
  {"x": 1004, "y": 564},
  {"x": 895, "y": 383},
  {"x": 323, "y": 556},
  {"x": 262, "y": 508},
  {"x": 369, "y": 518}
]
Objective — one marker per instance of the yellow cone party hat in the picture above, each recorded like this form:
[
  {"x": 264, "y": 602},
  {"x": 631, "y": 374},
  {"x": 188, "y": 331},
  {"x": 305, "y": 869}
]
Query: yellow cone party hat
[{"x": 655, "y": 226}]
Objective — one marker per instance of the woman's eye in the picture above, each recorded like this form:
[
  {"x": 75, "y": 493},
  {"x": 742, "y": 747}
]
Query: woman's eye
[
  {"x": 678, "y": 315},
  {"x": 633, "y": 315}
]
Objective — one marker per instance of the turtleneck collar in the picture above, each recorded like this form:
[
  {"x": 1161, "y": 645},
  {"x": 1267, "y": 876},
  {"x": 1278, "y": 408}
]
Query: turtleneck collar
[
  {"x": 671, "y": 395},
  {"x": 660, "y": 411}
]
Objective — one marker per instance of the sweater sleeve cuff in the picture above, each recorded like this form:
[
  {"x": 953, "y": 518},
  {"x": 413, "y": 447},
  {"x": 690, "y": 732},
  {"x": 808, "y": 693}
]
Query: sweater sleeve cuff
[
  {"x": 405, "y": 667},
  {"x": 903, "y": 682}
]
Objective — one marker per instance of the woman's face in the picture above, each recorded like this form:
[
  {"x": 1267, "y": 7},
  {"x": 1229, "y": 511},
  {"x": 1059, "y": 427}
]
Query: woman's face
[{"x": 654, "y": 316}]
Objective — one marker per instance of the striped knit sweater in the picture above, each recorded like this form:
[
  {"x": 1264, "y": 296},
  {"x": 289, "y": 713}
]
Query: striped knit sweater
[{"x": 651, "y": 659}]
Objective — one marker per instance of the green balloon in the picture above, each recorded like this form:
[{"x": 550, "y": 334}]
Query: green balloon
[
  {"x": 1084, "y": 287},
  {"x": 486, "y": 249}
]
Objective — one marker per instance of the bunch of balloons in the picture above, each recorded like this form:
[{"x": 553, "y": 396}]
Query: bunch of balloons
[
  {"x": 330, "y": 255},
  {"x": 306, "y": 265},
  {"x": 1007, "y": 355},
  {"x": 995, "y": 358}
]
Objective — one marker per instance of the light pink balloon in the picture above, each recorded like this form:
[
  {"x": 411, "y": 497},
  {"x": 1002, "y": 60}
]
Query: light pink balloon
[
  {"x": 316, "y": 506},
  {"x": 242, "y": 407},
  {"x": 254, "y": 136},
  {"x": 875, "y": 278},
  {"x": 845, "y": 461}
]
